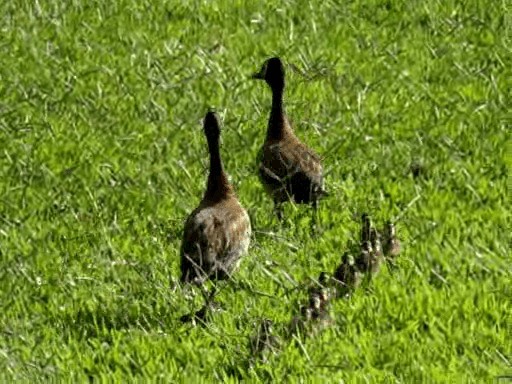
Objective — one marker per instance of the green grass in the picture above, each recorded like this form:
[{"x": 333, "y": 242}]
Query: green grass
[{"x": 102, "y": 158}]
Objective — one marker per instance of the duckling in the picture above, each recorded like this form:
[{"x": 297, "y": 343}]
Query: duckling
[
  {"x": 391, "y": 246},
  {"x": 321, "y": 289},
  {"x": 366, "y": 224},
  {"x": 288, "y": 169},
  {"x": 377, "y": 254},
  {"x": 217, "y": 233},
  {"x": 314, "y": 316},
  {"x": 301, "y": 323},
  {"x": 371, "y": 247},
  {"x": 319, "y": 312},
  {"x": 365, "y": 259},
  {"x": 264, "y": 340},
  {"x": 317, "y": 304},
  {"x": 347, "y": 275}
]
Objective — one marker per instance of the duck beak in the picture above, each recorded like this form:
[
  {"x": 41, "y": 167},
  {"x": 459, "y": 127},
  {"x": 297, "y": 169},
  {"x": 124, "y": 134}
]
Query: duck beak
[{"x": 258, "y": 76}]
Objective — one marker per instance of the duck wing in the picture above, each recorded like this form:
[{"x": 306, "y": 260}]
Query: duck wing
[{"x": 292, "y": 166}]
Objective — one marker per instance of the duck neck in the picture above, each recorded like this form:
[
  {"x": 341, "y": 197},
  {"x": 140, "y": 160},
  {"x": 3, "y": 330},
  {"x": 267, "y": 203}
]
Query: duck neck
[
  {"x": 277, "y": 122},
  {"x": 218, "y": 185}
]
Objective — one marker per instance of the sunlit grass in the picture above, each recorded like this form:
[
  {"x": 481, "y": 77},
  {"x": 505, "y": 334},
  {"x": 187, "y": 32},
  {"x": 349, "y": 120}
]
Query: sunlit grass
[{"x": 102, "y": 157}]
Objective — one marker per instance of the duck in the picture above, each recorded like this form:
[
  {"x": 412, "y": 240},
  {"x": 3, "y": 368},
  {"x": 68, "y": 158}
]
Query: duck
[
  {"x": 320, "y": 312},
  {"x": 264, "y": 342},
  {"x": 363, "y": 261},
  {"x": 370, "y": 253},
  {"x": 301, "y": 323},
  {"x": 320, "y": 288},
  {"x": 217, "y": 233},
  {"x": 377, "y": 255},
  {"x": 347, "y": 275},
  {"x": 391, "y": 247},
  {"x": 288, "y": 169},
  {"x": 314, "y": 316}
]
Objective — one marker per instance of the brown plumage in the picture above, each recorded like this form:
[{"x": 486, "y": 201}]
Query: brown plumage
[
  {"x": 363, "y": 260},
  {"x": 315, "y": 316},
  {"x": 320, "y": 289},
  {"x": 391, "y": 247},
  {"x": 217, "y": 233},
  {"x": 264, "y": 341},
  {"x": 319, "y": 303},
  {"x": 301, "y": 323},
  {"x": 347, "y": 276},
  {"x": 288, "y": 169},
  {"x": 365, "y": 228},
  {"x": 377, "y": 256},
  {"x": 371, "y": 254}
]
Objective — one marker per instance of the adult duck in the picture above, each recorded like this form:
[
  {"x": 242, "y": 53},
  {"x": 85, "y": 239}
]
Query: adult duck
[{"x": 288, "y": 169}]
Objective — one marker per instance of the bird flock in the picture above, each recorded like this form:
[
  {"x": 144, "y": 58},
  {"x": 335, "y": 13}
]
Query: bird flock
[{"x": 217, "y": 233}]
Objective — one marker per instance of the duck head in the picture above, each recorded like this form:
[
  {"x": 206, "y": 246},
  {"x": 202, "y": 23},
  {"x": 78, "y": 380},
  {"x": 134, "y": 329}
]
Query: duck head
[
  {"x": 211, "y": 125},
  {"x": 272, "y": 71}
]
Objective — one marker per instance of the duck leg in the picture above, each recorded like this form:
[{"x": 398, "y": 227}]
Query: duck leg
[
  {"x": 209, "y": 305},
  {"x": 209, "y": 299}
]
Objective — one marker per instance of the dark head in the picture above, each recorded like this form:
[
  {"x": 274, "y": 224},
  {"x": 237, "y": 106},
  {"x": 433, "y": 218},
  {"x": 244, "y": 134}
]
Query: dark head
[
  {"x": 211, "y": 125},
  {"x": 365, "y": 227},
  {"x": 306, "y": 312},
  {"x": 272, "y": 71},
  {"x": 315, "y": 302},
  {"x": 218, "y": 186},
  {"x": 323, "y": 279}
]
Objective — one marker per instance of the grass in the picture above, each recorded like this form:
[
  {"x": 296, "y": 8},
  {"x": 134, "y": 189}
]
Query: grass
[{"x": 102, "y": 157}]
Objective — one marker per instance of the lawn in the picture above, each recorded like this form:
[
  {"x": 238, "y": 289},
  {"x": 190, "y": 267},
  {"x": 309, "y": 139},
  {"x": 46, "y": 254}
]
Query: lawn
[{"x": 103, "y": 157}]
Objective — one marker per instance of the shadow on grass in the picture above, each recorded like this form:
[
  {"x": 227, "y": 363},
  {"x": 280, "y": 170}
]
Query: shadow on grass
[{"x": 144, "y": 312}]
